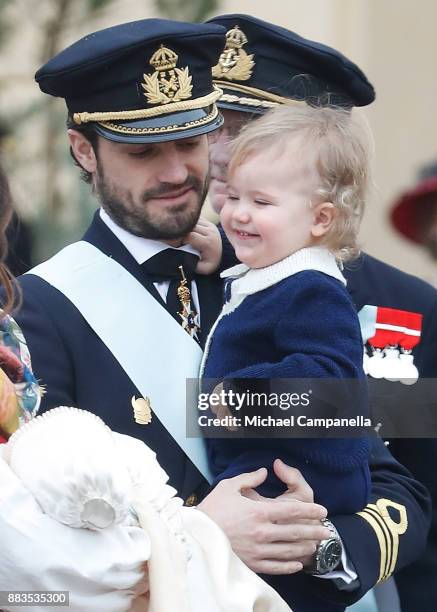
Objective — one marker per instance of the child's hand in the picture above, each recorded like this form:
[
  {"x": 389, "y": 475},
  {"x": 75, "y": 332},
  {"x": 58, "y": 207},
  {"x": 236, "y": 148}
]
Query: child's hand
[
  {"x": 206, "y": 239},
  {"x": 222, "y": 411}
]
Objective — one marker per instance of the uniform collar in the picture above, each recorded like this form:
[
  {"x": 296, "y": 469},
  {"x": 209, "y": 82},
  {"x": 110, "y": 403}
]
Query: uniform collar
[
  {"x": 141, "y": 249},
  {"x": 250, "y": 280}
]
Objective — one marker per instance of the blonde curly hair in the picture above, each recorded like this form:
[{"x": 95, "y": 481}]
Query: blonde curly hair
[{"x": 337, "y": 143}]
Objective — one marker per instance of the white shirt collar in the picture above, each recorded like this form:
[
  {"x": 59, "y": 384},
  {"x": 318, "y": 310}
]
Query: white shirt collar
[
  {"x": 141, "y": 249},
  {"x": 250, "y": 280}
]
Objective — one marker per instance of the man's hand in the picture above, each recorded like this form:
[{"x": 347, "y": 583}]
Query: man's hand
[
  {"x": 206, "y": 239},
  {"x": 297, "y": 486},
  {"x": 297, "y": 489},
  {"x": 270, "y": 537}
]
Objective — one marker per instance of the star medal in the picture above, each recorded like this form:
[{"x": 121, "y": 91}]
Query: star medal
[{"x": 189, "y": 316}]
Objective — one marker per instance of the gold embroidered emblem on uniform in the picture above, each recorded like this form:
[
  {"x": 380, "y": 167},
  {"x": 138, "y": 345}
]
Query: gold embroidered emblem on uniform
[
  {"x": 234, "y": 63},
  {"x": 168, "y": 83},
  {"x": 387, "y": 532},
  {"x": 142, "y": 410}
]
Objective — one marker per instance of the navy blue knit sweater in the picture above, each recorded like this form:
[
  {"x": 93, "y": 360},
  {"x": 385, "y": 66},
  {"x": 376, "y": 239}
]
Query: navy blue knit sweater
[{"x": 303, "y": 326}]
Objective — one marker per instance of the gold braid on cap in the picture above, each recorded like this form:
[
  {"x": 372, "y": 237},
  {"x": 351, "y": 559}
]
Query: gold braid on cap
[
  {"x": 146, "y": 113},
  {"x": 248, "y": 101},
  {"x": 268, "y": 99},
  {"x": 163, "y": 129}
]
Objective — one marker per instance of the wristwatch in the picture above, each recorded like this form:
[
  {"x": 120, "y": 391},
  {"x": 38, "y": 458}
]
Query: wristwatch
[{"x": 328, "y": 553}]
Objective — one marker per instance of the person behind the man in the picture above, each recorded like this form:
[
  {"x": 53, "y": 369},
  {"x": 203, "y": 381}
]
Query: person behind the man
[
  {"x": 141, "y": 101},
  {"x": 414, "y": 213},
  {"x": 264, "y": 65}
]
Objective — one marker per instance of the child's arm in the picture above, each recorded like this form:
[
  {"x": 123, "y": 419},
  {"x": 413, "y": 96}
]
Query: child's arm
[{"x": 206, "y": 239}]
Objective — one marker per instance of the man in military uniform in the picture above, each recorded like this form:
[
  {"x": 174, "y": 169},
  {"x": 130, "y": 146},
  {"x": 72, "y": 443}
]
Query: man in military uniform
[
  {"x": 264, "y": 65},
  {"x": 103, "y": 317}
]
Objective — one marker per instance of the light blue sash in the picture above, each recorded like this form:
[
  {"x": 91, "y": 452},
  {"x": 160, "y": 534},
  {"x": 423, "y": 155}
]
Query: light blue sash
[{"x": 154, "y": 351}]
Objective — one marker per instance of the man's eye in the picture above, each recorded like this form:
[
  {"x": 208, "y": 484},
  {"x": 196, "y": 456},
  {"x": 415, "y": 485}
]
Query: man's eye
[
  {"x": 142, "y": 153},
  {"x": 189, "y": 144}
]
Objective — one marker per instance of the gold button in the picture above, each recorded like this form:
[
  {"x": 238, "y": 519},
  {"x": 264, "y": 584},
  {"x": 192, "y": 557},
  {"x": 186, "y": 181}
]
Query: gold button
[{"x": 191, "y": 500}]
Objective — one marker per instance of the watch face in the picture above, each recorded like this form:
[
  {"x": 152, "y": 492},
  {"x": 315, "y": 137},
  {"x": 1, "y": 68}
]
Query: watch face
[{"x": 331, "y": 555}]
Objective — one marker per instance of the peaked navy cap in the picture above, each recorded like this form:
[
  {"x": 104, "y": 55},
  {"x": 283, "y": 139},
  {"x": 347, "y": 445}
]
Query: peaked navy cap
[
  {"x": 264, "y": 65},
  {"x": 143, "y": 81}
]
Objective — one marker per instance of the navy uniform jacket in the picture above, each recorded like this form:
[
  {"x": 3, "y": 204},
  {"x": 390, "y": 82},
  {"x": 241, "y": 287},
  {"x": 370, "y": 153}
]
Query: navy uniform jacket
[
  {"x": 373, "y": 282},
  {"x": 78, "y": 370}
]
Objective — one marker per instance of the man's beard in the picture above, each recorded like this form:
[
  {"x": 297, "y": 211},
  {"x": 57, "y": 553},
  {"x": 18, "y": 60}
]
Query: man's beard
[{"x": 135, "y": 217}]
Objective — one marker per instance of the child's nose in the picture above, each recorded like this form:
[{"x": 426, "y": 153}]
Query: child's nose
[{"x": 241, "y": 213}]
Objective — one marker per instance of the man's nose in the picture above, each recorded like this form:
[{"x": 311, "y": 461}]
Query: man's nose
[
  {"x": 219, "y": 149},
  {"x": 173, "y": 168}
]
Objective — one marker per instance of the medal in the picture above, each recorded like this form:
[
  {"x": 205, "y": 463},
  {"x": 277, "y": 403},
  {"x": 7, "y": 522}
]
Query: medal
[
  {"x": 387, "y": 333},
  {"x": 391, "y": 363},
  {"x": 189, "y": 316},
  {"x": 375, "y": 365},
  {"x": 410, "y": 339},
  {"x": 395, "y": 333},
  {"x": 408, "y": 371}
]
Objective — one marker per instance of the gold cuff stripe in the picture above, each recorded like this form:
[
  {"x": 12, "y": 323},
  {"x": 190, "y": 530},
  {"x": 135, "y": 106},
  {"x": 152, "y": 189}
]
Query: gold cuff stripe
[
  {"x": 264, "y": 95},
  {"x": 124, "y": 129},
  {"x": 388, "y": 530},
  {"x": 395, "y": 529},
  {"x": 147, "y": 113},
  {"x": 389, "y": 542},
  {"x": 381, "y": 540}
]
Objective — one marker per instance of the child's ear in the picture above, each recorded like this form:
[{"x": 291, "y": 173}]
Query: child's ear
[
  {"x": 83, "y": 150},
  {"x": 324, "y": 215}
]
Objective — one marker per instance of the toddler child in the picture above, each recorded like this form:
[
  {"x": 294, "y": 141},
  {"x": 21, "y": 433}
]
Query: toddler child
[{"x": 296, "y": 190}]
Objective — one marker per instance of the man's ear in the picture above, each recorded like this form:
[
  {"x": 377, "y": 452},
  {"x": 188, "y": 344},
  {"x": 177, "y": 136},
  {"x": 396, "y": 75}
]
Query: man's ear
[
  {"x": 324, "y": 215},
  {"x": 83, "y": 150}
]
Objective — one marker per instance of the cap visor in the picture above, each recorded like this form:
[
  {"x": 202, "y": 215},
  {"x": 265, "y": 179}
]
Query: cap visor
[
  {"x": 242, "y": 108},
  {"x": 175, "y": 126}
]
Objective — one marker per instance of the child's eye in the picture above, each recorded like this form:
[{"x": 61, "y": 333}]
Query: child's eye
[
  {"x": 232, "y": 197},
  {"x": 262, "y": 202}
]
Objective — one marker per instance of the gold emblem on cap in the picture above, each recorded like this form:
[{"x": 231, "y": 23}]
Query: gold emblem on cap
[
  {"x": 142, "y": 410},
  {"x": 234, "y": 62},
  {"x": 168, "y": 83}
]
